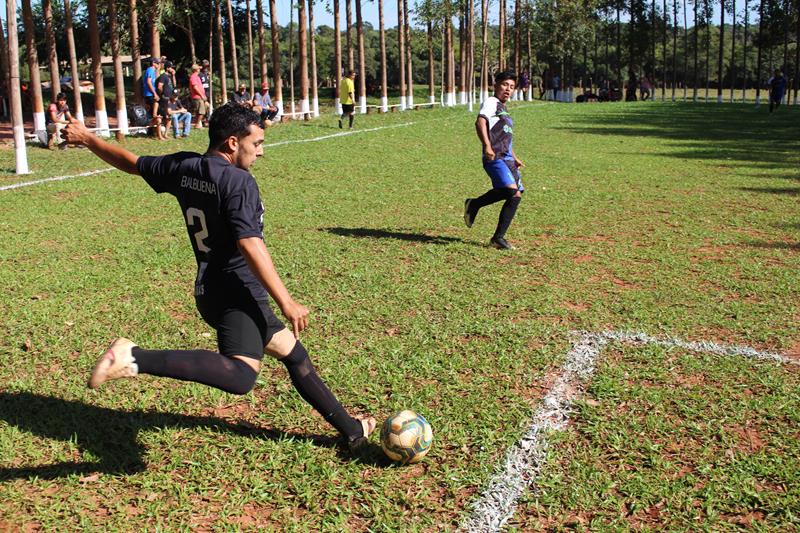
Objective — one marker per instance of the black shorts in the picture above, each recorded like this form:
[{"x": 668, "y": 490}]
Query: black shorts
[
  {"x": 347, "y": 109},
  {"x": 244, "y": 324}
]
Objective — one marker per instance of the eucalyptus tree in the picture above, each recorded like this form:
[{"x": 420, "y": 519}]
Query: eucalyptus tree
[
  {"x": 721, "y": 49},
  {"x": 155, "y": 28},
  {"x": 695, "y": 36},
  {"x": 119, "y": 79},
  {"x": 73, "y": 58},
  {"x": 250, "y": 70},
  {"x": 401, "y": 48},
  {"x": 262, "y": 45},
  {"x": 33, "y": 68},
  {"x": 337, "y": 56},
  {"x": 351, "y": 65},
  {"x": 313, "y": 42},
  {"x": 15, "y": 96},
  {"x": 362, "y": 67},
  {"x": 100, "y": 115},
  {"x": 409, "y": 56},
  {"x": 277, "y": 81},
  {"x": 302, "y": 51},
  {"x": 223, "y": 75},
  {"x": 232, "y": 36},
  {"x": 733, "y": 48},
  {"x": 384, "y": 96},
  {"x": 52, "y": 55}
]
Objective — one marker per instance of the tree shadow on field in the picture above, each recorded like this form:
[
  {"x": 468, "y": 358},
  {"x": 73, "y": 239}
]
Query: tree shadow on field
[
  {"x": 790, "y": 191},
  {"x": 386, "y": 234},
  {"x": 775, "y": 245},
  {"x": 745, "y": 135},
  {"x": 112, "y": 435}
]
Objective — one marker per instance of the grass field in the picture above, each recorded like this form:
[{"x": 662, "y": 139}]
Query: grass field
[{"x": 672, "y": 219}]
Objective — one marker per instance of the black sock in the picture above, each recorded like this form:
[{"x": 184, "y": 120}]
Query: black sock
[
  {"x": 506, "y": 216},
  {"x": 489, "y": 197},
  {"x": 314, "y": 391},
  {"x": 351, "y": 120},
  {"x": 200, "y": 366}
]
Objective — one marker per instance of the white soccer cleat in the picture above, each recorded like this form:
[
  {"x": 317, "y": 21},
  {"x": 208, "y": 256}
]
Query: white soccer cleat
[
  {"x": 367, "y": 426},
  {"x": 117, "y": 362}
]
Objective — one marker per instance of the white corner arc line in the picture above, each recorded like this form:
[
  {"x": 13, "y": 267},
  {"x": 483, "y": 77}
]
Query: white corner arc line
[
  {"x": 56, "y": 178},
  {"x": 524, "y": 461}
]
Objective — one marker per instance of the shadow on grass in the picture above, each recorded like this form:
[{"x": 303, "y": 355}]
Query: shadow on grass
[
  {"x": 111, "y": 435},
  {"x": 775, "y": 245},
  {"x": 745, "y": 135},
  {"x": 386, "y": 234},
  {"x": 790, "y": 191}
]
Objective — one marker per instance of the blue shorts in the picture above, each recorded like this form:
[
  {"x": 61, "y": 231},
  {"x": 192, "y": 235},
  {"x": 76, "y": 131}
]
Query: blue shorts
[{"x": 503, "y": 173}]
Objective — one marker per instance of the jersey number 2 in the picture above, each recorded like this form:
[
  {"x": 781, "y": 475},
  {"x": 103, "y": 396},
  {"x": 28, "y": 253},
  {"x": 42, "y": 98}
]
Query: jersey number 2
[{"x": 191, "y": 214}]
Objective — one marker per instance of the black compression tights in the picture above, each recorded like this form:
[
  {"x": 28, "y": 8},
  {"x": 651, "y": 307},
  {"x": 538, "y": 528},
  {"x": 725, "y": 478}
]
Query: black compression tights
[
  {"x": 508, "y": 210},
  {"x": 237, "y": 377}
]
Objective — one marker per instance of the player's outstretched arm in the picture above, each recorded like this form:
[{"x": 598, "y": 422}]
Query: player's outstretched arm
[
  {"x": 76, "y": 133},
  {"x": 260, "y": 262}
]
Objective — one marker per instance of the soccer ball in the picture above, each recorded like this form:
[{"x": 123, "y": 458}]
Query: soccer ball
[{"x": 406, "y": 437}]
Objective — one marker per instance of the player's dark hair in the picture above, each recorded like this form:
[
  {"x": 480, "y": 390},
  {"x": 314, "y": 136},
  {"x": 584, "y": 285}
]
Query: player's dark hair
[
  {"x": 61, "y": 96},
  {"x": 230, "y": 120},
  {"x": 503, "y": 76}
]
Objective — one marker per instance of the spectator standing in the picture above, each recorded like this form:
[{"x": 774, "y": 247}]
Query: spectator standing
[
  {"x": 777, "y": 87},
  {"x": 262, "y": 103},
  {"x": 644, "y": 88},
  {"x": 164, "y": 89},
  {"x": 347, "y": 97},
  {"x": 556, "y": 86},
  {"x": 179, "y": 115},
  {"x": 57, "y": 117},
  {"x": 199, "y": 96},
  {"x": 149, "y": 87},
  {"x": 205, "y": 77}
]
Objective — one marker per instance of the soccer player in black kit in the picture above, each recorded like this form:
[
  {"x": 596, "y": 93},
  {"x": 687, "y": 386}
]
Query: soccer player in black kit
[{"x": 220, "y": 202}]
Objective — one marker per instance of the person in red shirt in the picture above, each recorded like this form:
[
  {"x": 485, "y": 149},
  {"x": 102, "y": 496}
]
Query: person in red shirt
[{"x": 199, "y": 97}]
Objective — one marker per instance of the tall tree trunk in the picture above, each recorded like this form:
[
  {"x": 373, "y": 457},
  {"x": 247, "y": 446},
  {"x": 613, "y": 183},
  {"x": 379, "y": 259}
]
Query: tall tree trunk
[
  {"x": 291, "y": 62},
  {"x": 653, "y": 39},
  {"x": 684, "y": 75},
  {"x": 351, "y": 64},
  {"x": 119, "y": 79},
  {"x": 337, "y": 56},
  {"x": 302, "y": 49},
  {"x": 694, "y": 51},
  {"x": 362, "y": 67},
  {"x": 155, "y": 30},
  {"x": 431, "y": 70},
  {"x": 501, "y": 53},
  {"x": 262, "y": 45},
  {"x": 52, "y": 55},
  {"x": 100, "y": 115},
  {"x": 234, "y": 54},
  {"x": 211, "y": 23},
  {"x": 797, "y": 52},
  {"x": 744, "y": 49},
  {"x": 451, "y": 62},
  {"x": 35, "y": 86},
  {"x": 720, "y": 74},
  {"x": 664, "y": 54},
  {"x": 384, "y": 94},
  {"x": 73, "y": 60},
  {"x": 223, "y": 75},
  {"x": 190, "y": 34},
  {"x": 707, "y": 23},
  {"x": 15, "y": 98},
  {"x": 314, "y": 84},
  {"x": 471, "y": 53},
  {"x": 462, "y": 54},
  {"x": 4, "y": 72},
  {"x": 408, "y": 59},
  {"x": 619, "y": 48},
  {"x": 733, "y": 48},
  {"x": 401, "y": 50},
  {"x": 277, "y": 80},
  {"x": 517, "y": 36},
  {"x": 250, "y": 66},
  {"x": 484, "y": 49},
  {"x": 674, "y": 47}
]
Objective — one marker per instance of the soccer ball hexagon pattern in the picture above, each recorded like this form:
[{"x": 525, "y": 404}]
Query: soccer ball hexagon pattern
[{"x": 406, "y": 437}]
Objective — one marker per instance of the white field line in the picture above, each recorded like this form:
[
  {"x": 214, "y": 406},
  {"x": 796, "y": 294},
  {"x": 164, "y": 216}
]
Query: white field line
[
  {"x": 340, "y": 134},
  {"x": 56, "y": 178},
  {"x": 524, "y": 461},
  {"x": 281, "y": 143}
]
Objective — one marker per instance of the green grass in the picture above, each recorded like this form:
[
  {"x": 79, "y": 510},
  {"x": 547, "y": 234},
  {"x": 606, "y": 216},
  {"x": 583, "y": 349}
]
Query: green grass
[{"x": 667, "y": 218}]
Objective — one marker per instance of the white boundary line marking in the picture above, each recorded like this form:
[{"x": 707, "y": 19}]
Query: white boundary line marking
[
  {"x": 280, "y": 143},
  {"x": 57, "y": 178},
  {"x": 524, "y": 461}
]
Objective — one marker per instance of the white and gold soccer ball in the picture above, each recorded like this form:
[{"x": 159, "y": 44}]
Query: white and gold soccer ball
[{"x": 406, "y": 437}]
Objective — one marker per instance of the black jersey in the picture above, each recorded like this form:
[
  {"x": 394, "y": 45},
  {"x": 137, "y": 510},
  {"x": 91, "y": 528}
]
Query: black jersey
[
  {"x": 220, "y": 204},
  {"x": 501, "y": 127}
]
